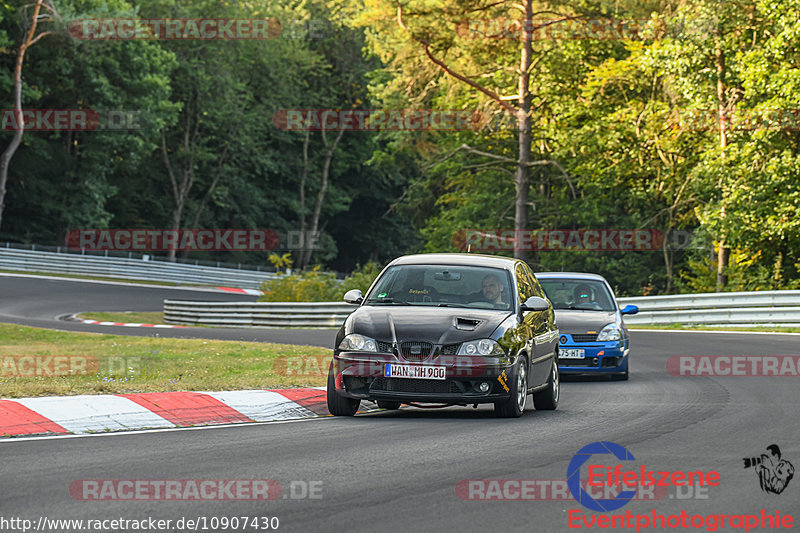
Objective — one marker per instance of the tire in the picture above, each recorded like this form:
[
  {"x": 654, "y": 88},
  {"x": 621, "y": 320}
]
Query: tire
[
  {"x": 338, "y": 405},
  {"x": 547, "y": 399},
  {"x": 388, "y": 404},
  {"x": 515, "y": 405}
]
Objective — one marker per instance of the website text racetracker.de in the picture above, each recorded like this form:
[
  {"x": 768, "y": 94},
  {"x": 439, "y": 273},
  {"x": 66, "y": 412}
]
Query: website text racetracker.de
[
  {"x": 655, "y": 520},
  {"x": 199, "y": 523}
]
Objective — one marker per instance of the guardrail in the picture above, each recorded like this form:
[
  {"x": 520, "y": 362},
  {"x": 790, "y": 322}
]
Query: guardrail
[
  {"x": 733, "y": 309},
  {"x": 125, "y": 268},
  {"x": 773, "y": 308},
  {"x": 259, "y": 314}
]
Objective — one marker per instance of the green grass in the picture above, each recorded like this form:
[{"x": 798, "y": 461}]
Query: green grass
[
  {"x": 708, "y": 328},
  {"x": 154, "y": 317},
  {"x": 118, "y": 364}
]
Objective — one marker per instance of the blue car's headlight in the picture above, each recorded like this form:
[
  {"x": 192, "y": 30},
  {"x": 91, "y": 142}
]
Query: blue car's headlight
[
  {"x": 610, "y": 332},
  {"x": 481, "y": 347},
  {"x": 358, "y": 343}
]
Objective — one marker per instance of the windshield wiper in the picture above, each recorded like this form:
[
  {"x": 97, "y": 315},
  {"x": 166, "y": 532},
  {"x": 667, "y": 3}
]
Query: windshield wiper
[
  {"x": 444, "y": 304},
  {"x": 387, "y": 301},
  {"x": 576, "y": 308}
]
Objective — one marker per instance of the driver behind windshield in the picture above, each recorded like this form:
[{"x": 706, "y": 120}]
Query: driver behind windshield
[
  {"x": 583, "y": 295},
  {"x": 492, "y": 291}
]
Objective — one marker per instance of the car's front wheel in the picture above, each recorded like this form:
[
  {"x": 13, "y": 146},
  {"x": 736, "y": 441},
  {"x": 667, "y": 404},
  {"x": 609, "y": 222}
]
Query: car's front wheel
[
  {"x": 338, "y": 405},
  {"x": 547, "y": 398},
  {"x": 515, "y": 405}
]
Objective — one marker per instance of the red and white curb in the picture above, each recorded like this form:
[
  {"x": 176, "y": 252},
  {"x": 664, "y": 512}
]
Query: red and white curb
[
  {"x": 251, "y": 292},
  {"x": 150, "y": 410},
  {"x": 126, "y": 324}
]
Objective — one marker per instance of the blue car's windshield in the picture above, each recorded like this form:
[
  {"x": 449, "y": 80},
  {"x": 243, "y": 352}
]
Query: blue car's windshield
[
  {"x": 444, "y": 286},
  {"x": 578, "y": 294}
]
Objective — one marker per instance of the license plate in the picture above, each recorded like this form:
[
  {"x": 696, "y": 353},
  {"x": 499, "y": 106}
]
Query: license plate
[
  {"x": 414, "y": 371},
  {"x": 571, "y": 353}
]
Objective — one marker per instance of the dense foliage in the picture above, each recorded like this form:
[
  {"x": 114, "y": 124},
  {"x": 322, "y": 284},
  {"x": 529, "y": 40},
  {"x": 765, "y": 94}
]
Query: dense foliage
[
  {"x": 313, "y": 285},
  {"x": 626, "y": 133}
]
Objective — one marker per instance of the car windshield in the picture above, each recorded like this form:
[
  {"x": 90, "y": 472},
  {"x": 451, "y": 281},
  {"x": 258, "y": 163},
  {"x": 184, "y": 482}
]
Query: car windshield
[
  {"x": 443, "y": 286},
  {"x": 580, "y": 294}
]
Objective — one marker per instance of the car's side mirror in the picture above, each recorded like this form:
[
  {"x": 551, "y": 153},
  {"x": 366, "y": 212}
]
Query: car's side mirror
[
  {"x": 629, "y": 310},
  {"x": 353, "y": 296},
  {"x": 534, "y": 303}
]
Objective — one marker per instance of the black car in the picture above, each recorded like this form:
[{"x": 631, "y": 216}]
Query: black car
[{"x": 451, "y": 329}]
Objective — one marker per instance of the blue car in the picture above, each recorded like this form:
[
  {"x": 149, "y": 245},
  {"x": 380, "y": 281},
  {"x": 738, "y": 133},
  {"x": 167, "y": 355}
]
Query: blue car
[{"x": 593, "y": 338}]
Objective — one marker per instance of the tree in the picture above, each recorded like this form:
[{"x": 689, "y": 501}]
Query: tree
[{"x": 29, "y": 39}]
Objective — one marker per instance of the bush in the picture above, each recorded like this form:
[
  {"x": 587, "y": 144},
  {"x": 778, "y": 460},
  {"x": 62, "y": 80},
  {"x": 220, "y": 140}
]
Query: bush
[
  {"x": 362, "y": 277},
  {"x": 309, "y": 286},
  {"x": 317, "y": 286}
]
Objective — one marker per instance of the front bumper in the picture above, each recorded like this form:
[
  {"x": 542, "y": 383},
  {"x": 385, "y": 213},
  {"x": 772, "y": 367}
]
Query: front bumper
[
  {"x": 600, "y": 357},
  {"x": 361, "y": 375}
]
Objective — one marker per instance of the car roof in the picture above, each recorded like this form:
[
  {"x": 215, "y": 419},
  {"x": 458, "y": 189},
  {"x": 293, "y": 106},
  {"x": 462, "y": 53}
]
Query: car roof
[
  {"x": 570, "y": 275},
  {"x": 457, "y": 259}
]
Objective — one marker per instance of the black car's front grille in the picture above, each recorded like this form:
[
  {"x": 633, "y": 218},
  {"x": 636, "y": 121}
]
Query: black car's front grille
[
  {"x": 433, "y": 386},
  {"x": 415, "y": 351},
  {"x": 450, "y": 349},
  {"x": 425, "y": 349},
  {"x": 584, "y": 337},
  {"x": 385, "y": 347}
]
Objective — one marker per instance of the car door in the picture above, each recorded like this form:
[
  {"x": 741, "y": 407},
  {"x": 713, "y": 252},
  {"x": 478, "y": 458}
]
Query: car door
[
  {"x": 545, "y": 337},
  {"x": 535, "y": 323}
]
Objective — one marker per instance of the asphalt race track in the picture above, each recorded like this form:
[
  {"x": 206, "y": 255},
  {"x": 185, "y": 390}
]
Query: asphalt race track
[
  {"x": 398, "y": 471},
  {"x": 42, "y": 302}
]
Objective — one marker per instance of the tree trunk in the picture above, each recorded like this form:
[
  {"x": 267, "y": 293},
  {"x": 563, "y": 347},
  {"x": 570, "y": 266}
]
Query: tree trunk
[
  {"x": 323, "y": 189},
  {"x": 522, "y": 179},
  {"x": 669, "y": 256},
  {"x": 5, "y": 159},
  {"x": 207, "y": 196},
  {"x": 303, "y": 179},
  {"x": 723, "y": 257},
  {"x": 180, "y": 191},
  {"x": 724, "y": 254}
]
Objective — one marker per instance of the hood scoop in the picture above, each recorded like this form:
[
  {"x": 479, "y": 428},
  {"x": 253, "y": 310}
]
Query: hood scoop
[{"x": 466, "y": 324}]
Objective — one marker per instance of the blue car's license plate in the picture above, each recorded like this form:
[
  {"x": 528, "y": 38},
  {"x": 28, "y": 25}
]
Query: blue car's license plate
[{"x": 571, "y": 353}]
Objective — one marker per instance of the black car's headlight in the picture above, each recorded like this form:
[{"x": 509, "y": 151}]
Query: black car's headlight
[
  {"x": 358, "y": 343},
  {"x": 610, "y": 333},
  {"x": 481, "y": 347}
]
